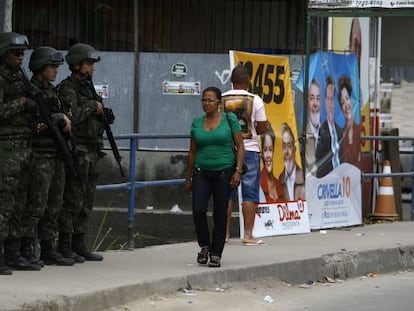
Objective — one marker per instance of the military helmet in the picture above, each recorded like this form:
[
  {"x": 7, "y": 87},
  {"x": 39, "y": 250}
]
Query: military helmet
[
  {"x": 44, "y": 55},
  {"x": 12, "y": 41},
  {"x": 80, "y": 52}
]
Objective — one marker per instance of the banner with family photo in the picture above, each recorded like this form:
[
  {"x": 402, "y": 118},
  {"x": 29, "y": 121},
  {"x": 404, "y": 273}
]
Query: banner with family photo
[
  {"x": 333, "y": 175},
  {"x": 280, "y": 150}
]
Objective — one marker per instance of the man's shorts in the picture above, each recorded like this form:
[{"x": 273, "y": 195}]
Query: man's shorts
[{"x": 250, "y": 182}]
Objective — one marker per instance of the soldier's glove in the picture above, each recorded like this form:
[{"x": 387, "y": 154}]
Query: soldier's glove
[
  {"x": 37, "y": 125},
  {"x": 61, "y": 124},
  {"x": 31, "y": 105},
  {"x": 109, "y": 115}
]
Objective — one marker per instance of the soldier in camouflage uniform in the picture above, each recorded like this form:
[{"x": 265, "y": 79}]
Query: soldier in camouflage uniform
[
  {"x": 16, "y": 110},
  {"x": 86, "y": 107},
  {"x": 47, "y": 176}
]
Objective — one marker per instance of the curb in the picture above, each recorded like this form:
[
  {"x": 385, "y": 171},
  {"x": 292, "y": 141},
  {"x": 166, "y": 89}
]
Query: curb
[{"x": 340, "y": 265}]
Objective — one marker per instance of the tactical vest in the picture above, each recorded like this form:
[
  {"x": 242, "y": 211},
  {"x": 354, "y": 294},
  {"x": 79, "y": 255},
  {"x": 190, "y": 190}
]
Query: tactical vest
[
  {"x": 14, "y": 119},
  {"x": 81, "y": 98},
  {"x": 43, "y": 142}
]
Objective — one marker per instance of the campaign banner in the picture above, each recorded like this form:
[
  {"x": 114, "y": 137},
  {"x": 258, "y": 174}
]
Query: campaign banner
[
  {"x": 280, "y": 149},
  {"x": 351, "y": 34},
  {"x": 361, "y": 4},
  {"x": 333, "y": 175},
  {"x": 281, "y": 219},
  {"x": 335, "y": 200}
]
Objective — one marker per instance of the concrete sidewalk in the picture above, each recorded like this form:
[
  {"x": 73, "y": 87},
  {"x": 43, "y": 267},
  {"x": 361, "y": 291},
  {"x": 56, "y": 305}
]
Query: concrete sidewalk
[{"x": 125, "y": 276}]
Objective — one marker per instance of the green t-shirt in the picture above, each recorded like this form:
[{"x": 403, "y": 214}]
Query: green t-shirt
[{"x": 214, "y": 148}]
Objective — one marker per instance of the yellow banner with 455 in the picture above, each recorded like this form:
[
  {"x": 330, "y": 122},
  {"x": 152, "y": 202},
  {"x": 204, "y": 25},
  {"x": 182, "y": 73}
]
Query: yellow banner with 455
[{"x": 270, "y": 80}]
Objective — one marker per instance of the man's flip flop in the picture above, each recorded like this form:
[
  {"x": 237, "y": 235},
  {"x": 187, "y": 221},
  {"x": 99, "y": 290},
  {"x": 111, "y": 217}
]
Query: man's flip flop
[{"x": 258, "y": 242}]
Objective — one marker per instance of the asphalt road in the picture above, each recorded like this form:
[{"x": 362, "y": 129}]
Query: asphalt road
[{"x": 371, "y": 292}]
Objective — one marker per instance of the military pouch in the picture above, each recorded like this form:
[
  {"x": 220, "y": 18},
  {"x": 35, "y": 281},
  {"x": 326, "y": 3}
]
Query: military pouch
[
  {"x": 95, "y": 127},
  {"x": 9, "y": 145},
  {"x": 7, "y": 181}
]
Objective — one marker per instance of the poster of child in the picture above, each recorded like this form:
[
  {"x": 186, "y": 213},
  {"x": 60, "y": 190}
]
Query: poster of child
[{"x": 102, "y": 90}]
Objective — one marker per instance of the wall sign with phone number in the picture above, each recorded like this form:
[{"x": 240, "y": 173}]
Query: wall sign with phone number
[{"x": 267, "y": 81}]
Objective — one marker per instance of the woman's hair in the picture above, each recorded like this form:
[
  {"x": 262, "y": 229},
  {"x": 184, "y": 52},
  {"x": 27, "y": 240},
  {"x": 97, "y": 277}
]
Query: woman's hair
[
  {"x": 214, "y": 90},
  {"x": 344, "y": 82},
  {"x": 269, "y": 132}
]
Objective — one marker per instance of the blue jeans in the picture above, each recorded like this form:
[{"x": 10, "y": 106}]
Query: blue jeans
[
  {"x": 250, "y": 182},
  {"x": 204, "y": 184}
]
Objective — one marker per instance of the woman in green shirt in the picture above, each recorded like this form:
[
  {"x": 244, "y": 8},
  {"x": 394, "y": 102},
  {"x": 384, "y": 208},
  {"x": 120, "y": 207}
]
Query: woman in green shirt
[{"x": 211, "y": 170}]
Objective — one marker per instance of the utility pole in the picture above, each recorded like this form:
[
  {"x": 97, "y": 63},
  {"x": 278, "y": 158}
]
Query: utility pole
[{"x": 6, "y": 15}]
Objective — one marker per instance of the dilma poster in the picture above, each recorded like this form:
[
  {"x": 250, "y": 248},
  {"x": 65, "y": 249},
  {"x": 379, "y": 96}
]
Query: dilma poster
[
  {"x": 282, "y": 209},
  {"x": 333, "y": 175}
]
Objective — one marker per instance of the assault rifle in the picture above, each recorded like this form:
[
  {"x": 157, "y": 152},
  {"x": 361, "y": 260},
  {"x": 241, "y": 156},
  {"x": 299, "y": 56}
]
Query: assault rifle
[
  {"x": 108, "y": 115},
  {"x": 107, "y": 119},
  {"x": 54, "y": 130}
]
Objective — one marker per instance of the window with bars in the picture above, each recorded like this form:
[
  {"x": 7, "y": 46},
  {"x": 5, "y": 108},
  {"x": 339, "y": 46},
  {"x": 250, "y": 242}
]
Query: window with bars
[{"x": 192, "y": 26}]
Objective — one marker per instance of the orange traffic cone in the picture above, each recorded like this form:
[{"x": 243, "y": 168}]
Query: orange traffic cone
[{"x": 385, "y": 205}]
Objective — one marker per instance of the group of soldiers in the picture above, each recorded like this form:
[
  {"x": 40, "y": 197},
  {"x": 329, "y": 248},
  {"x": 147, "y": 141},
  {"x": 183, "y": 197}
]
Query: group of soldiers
[{"x": 50, "y": 144}]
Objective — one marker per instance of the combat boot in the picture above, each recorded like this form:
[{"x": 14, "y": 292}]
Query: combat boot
[
  {"x": 26, "y": 250},
  {"x": 50, "y": 256},
  {"x": 64, "y": 247},
  {"x": 78, "y": 245},
  {"x": 13, "y": 258},
  {"x": 4, "y": 269}
]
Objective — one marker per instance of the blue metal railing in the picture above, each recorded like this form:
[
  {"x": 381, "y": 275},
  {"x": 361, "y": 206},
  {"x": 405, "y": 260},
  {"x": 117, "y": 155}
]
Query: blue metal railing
[{"x": 132, "y": 184}]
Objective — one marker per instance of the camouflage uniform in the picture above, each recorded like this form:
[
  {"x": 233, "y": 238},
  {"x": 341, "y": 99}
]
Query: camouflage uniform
[
  {"x": 15, "y": 151},
  {"x": 47, "y": 183},
  {"x": 79, "y": 195},
  {"x": 47, "y": 175}
]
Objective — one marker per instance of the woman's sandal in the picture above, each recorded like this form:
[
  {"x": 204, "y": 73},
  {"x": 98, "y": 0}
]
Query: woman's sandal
[
  {"x": 214, "y": 262},
  {"x": 202, "y": 256}
]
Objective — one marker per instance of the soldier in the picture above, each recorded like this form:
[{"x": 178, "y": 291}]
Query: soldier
[
  {"x": 47, "y": 177},
  {"x": 16, "y": 110},
  {"x": 78, "y": 92}
]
